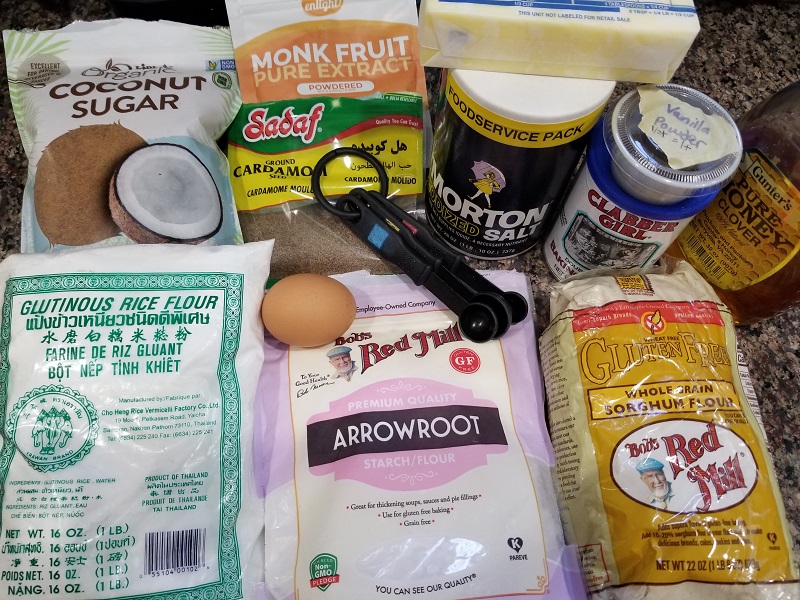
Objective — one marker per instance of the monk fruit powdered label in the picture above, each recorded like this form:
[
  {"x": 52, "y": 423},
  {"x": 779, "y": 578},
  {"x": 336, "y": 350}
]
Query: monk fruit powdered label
[
  {"x": 408, "y": 460},
  {"x": 119, "y": 121},
  {"x": 316, "y": 76},
  {"x": 661, "y": 464},
  {"x": 126, "y": 403}
]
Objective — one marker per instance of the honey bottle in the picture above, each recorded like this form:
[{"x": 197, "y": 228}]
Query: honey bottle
[{"x": 746, "y": 242}]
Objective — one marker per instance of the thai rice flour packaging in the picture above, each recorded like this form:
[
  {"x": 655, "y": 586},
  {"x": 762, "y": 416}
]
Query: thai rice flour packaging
[
  {"x": 662, "y": 466},
  {"x": 127, "y": 382},
  {"x": 403, "y": 459},
  {"x": 120, "y": 121},
  {"x": 317, "y": 75}
]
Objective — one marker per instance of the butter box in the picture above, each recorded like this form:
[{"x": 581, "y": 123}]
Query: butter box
[{"x": 596, "y": 39}]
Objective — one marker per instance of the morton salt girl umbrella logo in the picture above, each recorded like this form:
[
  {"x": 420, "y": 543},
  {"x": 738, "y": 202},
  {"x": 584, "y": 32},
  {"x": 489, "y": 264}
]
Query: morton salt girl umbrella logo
[
  {"x": 488, "y": 180},
  {"x": 321, "y": 8}
]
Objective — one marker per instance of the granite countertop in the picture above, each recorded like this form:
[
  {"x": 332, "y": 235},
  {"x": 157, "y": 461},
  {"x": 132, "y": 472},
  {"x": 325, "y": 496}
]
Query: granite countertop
[{"x": 745, "y": 52}]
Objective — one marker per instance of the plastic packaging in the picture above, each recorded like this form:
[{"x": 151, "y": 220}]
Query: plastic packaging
[
  {"x": 403, "y": 459},
  {"x": 659, "y": 158},
  {"x": 316, "y": 76},
  {"x": 126, "y": 393},
  {"x": 667, "y": 480},
  {"x": 605, "y": 39},
  {"x": 145, "y": 99},
  {"x": 669, "y": 142},
  {"x": 746, "y": 242}
]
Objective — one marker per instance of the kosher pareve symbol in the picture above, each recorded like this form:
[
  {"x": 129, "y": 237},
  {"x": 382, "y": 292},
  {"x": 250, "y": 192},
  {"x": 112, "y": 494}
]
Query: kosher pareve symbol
[{"x": 515, "y": 544}]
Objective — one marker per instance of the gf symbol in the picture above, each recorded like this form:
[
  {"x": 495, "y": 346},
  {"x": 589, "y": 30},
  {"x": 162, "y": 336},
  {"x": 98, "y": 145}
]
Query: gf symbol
[
  {"x": 465, "y": 360},
  {"x": 515, "y": 543}
]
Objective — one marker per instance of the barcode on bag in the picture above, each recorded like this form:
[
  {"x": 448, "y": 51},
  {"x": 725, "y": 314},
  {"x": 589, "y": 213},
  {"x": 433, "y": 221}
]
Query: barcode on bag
[
  {"x": 174, "y": 550},
  {"x": 709, "y": 264}
]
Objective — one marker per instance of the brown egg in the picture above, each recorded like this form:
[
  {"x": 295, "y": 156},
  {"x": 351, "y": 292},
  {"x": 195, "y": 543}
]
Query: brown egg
[{"x": 308, "y": 310}]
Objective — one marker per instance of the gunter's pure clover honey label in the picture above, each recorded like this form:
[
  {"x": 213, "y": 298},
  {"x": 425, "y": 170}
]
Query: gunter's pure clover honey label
[
  {"x": 750, "y": 231},
  {"x": 660, "y": 460}
]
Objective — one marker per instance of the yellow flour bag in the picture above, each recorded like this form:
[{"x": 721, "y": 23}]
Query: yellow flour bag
[{"x": 662, "y": 467}]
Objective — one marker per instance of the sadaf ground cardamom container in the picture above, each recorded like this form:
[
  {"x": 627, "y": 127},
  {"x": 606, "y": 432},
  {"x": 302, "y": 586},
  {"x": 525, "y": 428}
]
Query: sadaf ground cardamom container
[{"x": 505, "y": 148}]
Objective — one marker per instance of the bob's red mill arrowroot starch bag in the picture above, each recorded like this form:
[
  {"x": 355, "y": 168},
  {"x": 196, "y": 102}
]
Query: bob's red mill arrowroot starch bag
[{"x": 662, "y": 467}]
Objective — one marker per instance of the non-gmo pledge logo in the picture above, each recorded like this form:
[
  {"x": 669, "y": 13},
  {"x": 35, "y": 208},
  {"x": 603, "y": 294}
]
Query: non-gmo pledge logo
[
  {"x": 53, "y": 427},
  {"x": 324, "y": 571}
]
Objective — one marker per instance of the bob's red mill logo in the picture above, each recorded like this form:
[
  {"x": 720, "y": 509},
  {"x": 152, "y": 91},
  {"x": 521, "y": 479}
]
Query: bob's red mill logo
[{"x": 684, "y": 465}]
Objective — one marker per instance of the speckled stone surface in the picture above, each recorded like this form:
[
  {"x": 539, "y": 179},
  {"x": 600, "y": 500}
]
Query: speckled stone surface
[{"x": 745, "y": 52}]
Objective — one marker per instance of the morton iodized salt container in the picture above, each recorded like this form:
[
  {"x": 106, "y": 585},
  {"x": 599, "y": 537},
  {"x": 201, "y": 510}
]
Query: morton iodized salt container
[
  {"x": 504, "y": 150},
  {"x": 658, "y": 158}
]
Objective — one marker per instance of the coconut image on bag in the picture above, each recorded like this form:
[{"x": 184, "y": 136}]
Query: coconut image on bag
[
  {"x": 71, "y": 187},
  {"x": 147, "y": 175},
  {"x": 121, "y": 136}
]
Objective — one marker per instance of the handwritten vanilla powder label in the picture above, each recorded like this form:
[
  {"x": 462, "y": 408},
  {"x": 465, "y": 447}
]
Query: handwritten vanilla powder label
[{"x": 686, "y": 134}]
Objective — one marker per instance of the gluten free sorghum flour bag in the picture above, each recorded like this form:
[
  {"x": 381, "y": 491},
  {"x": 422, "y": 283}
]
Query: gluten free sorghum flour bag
[
  {"x": 667, "y": 481},
  {"x": 403, "y": 459},
  {"x": 127, "y": 378},
  {"x": 119, "y": 121}
]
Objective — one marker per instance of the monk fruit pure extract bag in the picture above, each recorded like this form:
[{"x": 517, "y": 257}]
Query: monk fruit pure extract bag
[
  {"x": 119, "y": 121},
  {"x": 404, "y": 459},
  {"x": 668, "y": 485},
  {"x": 316, "y": 76},
  {"x": 127, "y": 378}
]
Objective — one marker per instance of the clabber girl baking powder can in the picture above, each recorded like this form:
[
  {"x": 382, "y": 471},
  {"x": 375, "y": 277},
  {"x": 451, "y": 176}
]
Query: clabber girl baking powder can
[{"x": 505, "y": 148}]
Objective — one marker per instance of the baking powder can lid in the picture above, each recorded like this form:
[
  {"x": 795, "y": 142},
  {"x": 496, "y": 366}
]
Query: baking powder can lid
[
  {"x": 534, "y": 98},
  {"x": 668, "y": 142}
]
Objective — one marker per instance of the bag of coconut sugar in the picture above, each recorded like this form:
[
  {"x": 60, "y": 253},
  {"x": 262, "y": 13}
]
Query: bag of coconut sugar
[
  {"x": 127, "y": 382},
  {"x": 403, "y": 459},
  {"x": 119, "y": 120},
  {"x": 662, "y": 466}
]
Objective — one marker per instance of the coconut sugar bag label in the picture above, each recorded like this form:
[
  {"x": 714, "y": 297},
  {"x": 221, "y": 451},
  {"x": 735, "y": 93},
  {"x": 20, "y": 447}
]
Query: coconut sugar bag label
[
  {"x": 404, "y": 459},
  {"x": 127, "y": 379},
  {"x": 119, "y": 121},
  {"x": 662, "y": 466}
]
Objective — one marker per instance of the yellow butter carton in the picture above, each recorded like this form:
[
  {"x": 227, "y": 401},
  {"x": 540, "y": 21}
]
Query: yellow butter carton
[{"x": 614, "y": 40}]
